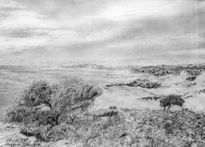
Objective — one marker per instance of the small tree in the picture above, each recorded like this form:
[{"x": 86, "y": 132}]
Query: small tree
[
  {"x": 68, "y": 98},
  {"x": 168, "y": 101},
  {"x": 38, "y": 93}
]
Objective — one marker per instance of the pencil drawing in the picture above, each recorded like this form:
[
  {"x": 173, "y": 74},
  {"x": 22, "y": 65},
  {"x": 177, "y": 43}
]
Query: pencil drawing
[{"x": 102, "y": 73}]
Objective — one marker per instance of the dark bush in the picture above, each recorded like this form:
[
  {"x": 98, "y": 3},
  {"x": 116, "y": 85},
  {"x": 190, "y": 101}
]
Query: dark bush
[
  {"x": 65, "y": 100},
  {"x": 144, "y": 83},
  {"x": 171, "y": 100},
  {"x": 38, "y": 93},
  {"x": 29, "y": 131},
  {"x": 37, "y": 118},
  {"x": 17, "y": 114},
  {"x": 151, "y": 98},
  {"x": 192, "y": 78},
  {"x": 109, "y": 114}
]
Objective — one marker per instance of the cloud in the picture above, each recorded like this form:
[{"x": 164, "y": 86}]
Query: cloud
[
  {"x": 10, "y": 4},
  {"x": 97, "y": 30}
]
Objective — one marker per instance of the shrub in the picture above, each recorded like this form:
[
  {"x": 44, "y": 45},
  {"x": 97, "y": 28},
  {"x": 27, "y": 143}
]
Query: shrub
[
  {"x": 64, "y": 102},
  {"x": 72, "y": 97},
  {"x": 38, "y": 93},
  {"x": 66, "y": 99},
  {"x": 37, "y": 118},
  {"x": 191, "y": 78},
  {"x": 168, "y": 101},
  {"x": 17, "y": 114}
]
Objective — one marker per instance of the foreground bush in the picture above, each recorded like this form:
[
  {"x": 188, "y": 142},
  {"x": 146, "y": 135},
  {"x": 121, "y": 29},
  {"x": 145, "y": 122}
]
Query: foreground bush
[
  {"x": 64, "y": 101},
  {"x": 73, "y": 97}
]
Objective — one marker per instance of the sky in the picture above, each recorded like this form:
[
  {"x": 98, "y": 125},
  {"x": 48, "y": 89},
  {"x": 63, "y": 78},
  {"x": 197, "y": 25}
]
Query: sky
[{"x": 111, "y": 32}]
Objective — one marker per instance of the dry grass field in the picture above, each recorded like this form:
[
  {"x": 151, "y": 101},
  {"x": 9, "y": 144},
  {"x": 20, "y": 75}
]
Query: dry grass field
[{"x": 130, "y": 99}]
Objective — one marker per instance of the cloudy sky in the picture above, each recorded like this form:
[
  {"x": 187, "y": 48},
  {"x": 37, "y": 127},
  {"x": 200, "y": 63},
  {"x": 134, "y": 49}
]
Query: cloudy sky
[{"x": 41, "y": 32}]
